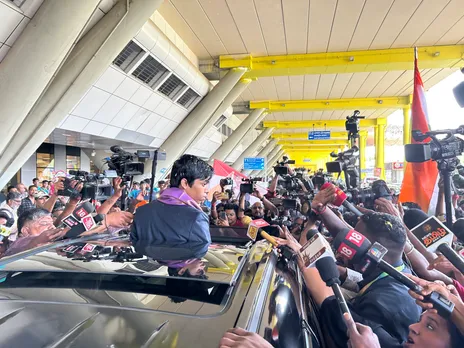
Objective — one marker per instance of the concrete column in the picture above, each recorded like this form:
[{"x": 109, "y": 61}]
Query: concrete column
[
  {"x": 178, "y": 142},
  {"x": 270, "y": 160},
  {"x": 228, "y": 100},
  {"x": 35, "y": 58},
  {"x": 234, "y": 139},
  {"x": 380, "y": 150},
  {"x": 263, "y": 153},
  {"x": 87, "y": 61},
  {"x": 238, "y": 164}
]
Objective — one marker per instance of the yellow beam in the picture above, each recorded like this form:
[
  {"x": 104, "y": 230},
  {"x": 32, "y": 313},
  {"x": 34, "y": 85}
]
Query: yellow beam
[
  {"x": 315, "y": 143},
  {"x": 430, "y": 57},
  {"x": 333, "y": 135},
  {"x": 332, "y": 104},
  {"x": 370, "y": 122}
]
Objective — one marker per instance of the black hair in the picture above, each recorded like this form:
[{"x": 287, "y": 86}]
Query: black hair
[
  {"x": 31, "y": 215},
  {"x": 230, "y": 206},
  {"x": 387, "y": 229},
  {"x": 461, "y": 202},
  {"x": 458, "y": 229},
  {"x": 161, "y": 182},
  {"x": 191, "y": 168},
  {"x": 414, "y": 217},
  {"x": 411, "y": 205},
  {"x": 31, "y": 186},
  {"x": 13, "y": 195},
  {"x": 35, "y": 179},
  {"x": 350, "y": 218},
  {"x": 9, "y": 188},
  {"x": 456, "y": 337}
]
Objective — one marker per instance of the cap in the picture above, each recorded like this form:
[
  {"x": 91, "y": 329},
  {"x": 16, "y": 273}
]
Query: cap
[{"x": 41, "y": 194}]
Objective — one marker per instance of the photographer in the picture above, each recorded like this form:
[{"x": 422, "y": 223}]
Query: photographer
[{"x": 235, "y": 214}]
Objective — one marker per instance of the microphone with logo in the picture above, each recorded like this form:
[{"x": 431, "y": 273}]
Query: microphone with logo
[
  {"x": 341, "y": 199},
  {"x": 435, "y": 236},
  {"x": 355, "y": 247},
  {"x": 81, "y": 220}
]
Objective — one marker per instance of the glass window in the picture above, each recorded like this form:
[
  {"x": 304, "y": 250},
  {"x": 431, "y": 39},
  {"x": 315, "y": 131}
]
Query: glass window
[
  {"x": 73, "y": 163},
  {"x": 45, "y": 163}
]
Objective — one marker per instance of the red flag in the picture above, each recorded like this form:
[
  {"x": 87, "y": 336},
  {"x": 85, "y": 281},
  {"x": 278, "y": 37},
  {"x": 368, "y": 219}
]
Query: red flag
[{"x": 420, "y": 179}]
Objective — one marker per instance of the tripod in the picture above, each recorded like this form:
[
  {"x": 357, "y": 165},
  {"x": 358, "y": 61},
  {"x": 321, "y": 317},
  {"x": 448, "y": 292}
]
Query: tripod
[{"x": 446, "y": 166}]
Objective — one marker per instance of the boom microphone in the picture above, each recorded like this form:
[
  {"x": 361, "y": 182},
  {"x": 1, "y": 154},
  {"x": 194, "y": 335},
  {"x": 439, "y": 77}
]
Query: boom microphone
[
  {"x": 341, "y": 199},
  {"x": 356, "y": 247},
  {"x": 331, "y": 276}
]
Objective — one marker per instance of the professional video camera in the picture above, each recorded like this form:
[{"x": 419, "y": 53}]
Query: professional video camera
[
  {"x": 280, "y": 168},
  {"x": 123, "y": 162},
  {"x": 444, "y": 151},
  {"x": 248, "y": 185},
  {"x": 352, "y": 125},
  {"x": 93, "y": 188},
  {"x": 346, "y": 162}
]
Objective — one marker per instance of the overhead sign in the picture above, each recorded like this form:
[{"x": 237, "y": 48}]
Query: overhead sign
[
  {"x": 306, "y": 159},
  {"x": 253, "y": 163},
  {"x": 397, "y": 165},
  {"x": 319, "y": 135}
]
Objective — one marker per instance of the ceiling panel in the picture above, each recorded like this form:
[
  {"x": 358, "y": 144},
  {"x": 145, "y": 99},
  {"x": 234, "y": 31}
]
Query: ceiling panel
[
  {"x": 219, "y": 14},
  {"x": 369, "y": 84},
  {"x": 311, "y": 82},
  {"x": 447, "y": 18},
  {"x": 296, "y": 87},
  {"x": 438, "y": 77},
  {"x": 386, "y": 81},
  {"x": 355, "y": 84},
  {"x": 372, "y": 17},
  {"x": 453, "y": 36},
  {"x": 339, "y": 86},
  {"x": 400, "y": 82},
  {"x": 346, "y": 18},
  {"x": 321, "y": 15},
  {"x": 257, "y": 91},
  {"x": 425, "y": 14},
  {"x": 173, "y": 17},
  {"x": 339, "y": 114},
  {"x": 270, "y": 17},
  {"x": 268, "y": 87},
  {"x": 247, "y": 22},
  {"x": 296, "y": 24},
  {"x": 283, "y": 87},
  {"x": 397, "y": 17},
  {"x": 197, "y": 19},
  {"x": 325, "y": 86}
]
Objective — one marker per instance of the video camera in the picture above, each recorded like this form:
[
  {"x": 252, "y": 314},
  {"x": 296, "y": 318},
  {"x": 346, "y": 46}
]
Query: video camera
[
  {"x": 352, "y": 124},
  {"x": 280, "y": 168},
  {"x": 367, "y": 196},
  {"x": 248, "y": 185},
  {"x": 123, "y": 162},
  {"x": 436, "y": 150},
  {"x": 346, "y": 162},
  {"x": 92, "y": 187}
]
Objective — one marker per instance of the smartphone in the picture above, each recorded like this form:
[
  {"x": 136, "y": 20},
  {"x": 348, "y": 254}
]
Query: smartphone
[{"x": 222, "y": 215}]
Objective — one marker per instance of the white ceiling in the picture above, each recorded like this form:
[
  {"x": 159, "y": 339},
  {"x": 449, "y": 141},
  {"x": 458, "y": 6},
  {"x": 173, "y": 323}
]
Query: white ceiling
[{"x": 272, "y": 27}]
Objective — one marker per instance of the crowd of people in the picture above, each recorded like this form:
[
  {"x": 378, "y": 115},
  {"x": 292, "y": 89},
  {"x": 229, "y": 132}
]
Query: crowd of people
[{"x": 384, "y": 312}]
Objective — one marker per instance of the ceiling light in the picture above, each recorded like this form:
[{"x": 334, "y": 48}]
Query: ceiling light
[{"x": 93, "y": 153}]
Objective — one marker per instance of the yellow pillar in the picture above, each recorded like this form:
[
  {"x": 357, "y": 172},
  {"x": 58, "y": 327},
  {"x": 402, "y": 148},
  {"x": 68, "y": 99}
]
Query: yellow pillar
[
  {"x": 362, "y": 157},
  {"x": 380, "y": 146}
]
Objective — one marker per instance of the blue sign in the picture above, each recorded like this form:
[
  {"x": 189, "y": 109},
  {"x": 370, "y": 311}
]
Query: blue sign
[
  {"x": 319, "y": 135},
  {"x": 163, "y": 170},
  {"x": 253, "y": 163}
]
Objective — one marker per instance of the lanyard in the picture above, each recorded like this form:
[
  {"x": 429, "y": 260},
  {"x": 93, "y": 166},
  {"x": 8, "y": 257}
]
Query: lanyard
[{"x": 381, "y": 276}]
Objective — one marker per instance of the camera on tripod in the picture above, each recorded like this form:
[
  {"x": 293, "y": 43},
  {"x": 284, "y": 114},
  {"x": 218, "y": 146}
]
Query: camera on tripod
[
  {"x": 352, "y": 124},
  {"x": 346, "y": 162},
  {"x": 123, "y": 162}
]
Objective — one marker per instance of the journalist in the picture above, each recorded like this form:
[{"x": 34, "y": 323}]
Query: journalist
[{"x": 176, "y": 217}]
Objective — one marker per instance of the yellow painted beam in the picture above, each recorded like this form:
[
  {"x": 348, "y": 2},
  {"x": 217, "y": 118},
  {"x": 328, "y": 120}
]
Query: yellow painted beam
[
  {"x": 315, "y": 143},
  {"x": 430, "y": 57},
  {"x": 332, "y": 104},
  {"x": 370, "y": 122},
  {"x": 333, "y": 135}
]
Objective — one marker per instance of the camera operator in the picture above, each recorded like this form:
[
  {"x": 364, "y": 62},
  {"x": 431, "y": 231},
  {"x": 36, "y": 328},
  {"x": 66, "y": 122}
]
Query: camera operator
[{"x": 176, "y": 216}]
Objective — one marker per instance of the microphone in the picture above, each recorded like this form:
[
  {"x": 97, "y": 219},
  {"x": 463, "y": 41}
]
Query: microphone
[
  {"x": 88, "y": 222},
  {"x": 341, "y": 199},
  {"x": 357, "y": 248},
  {"x": 79, "y": 212},
  {"x": 331, "y": 276},
  {"x": 286, "y": 251},
  {"x": 317, "y": 247},
  {"x": 435, "y": 236}
]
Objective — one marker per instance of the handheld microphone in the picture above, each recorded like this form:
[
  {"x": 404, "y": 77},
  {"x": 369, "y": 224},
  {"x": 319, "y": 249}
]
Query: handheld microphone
[
  {"x": 79, "y": 212},
  {"x": 341, "y": 199},
  {"x": 317, "y": 247},
  {"x": 331, "y": 276},
  {"x": 286, "y": 251},
  {"x": 357, "y": 248},
  {"x": 435, "y": 236},
  {"x": 88, "y": 222}
]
